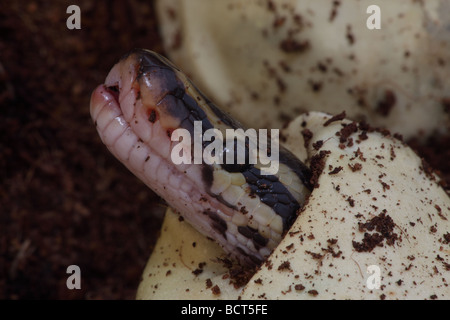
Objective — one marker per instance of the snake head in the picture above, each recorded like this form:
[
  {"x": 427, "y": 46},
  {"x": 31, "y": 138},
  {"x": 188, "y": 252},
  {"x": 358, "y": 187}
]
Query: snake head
[
  {"x": 144, "y": 99},
  {"x": 144, "y": 84}
]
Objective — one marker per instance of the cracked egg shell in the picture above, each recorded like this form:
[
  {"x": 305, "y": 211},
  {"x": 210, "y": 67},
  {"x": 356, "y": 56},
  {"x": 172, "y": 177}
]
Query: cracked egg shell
[
  {"x": 267, "y": 61},
  {"x": 375, "y": 211}
]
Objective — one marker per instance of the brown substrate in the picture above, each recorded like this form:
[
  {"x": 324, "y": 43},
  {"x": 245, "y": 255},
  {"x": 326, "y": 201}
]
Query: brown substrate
[{"x": 63, "y": 198}]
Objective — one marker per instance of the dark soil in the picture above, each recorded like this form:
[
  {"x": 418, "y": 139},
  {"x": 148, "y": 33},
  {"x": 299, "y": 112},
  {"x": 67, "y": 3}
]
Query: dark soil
[{"x": 64, "y": 200}]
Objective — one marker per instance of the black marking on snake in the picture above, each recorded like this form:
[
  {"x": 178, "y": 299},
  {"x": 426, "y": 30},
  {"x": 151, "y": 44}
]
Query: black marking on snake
[
  {"x": 258, "y": 240},
  {"x": 298, "y": 167},
  {"x": 217, "y": 222},
  {"x": 234, "y": 166},
  {"x": 274, "y": 194},
  {"x": 207, "y": 175},
  {"x": 251, "y": 258}
]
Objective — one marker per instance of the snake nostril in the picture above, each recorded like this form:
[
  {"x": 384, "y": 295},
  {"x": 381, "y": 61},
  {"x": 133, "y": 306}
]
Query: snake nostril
[{"x": 114, "y": 91}]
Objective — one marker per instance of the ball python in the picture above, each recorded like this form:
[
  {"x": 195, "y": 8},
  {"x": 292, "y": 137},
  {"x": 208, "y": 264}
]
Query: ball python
[{"x": 144, "y": 100}]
